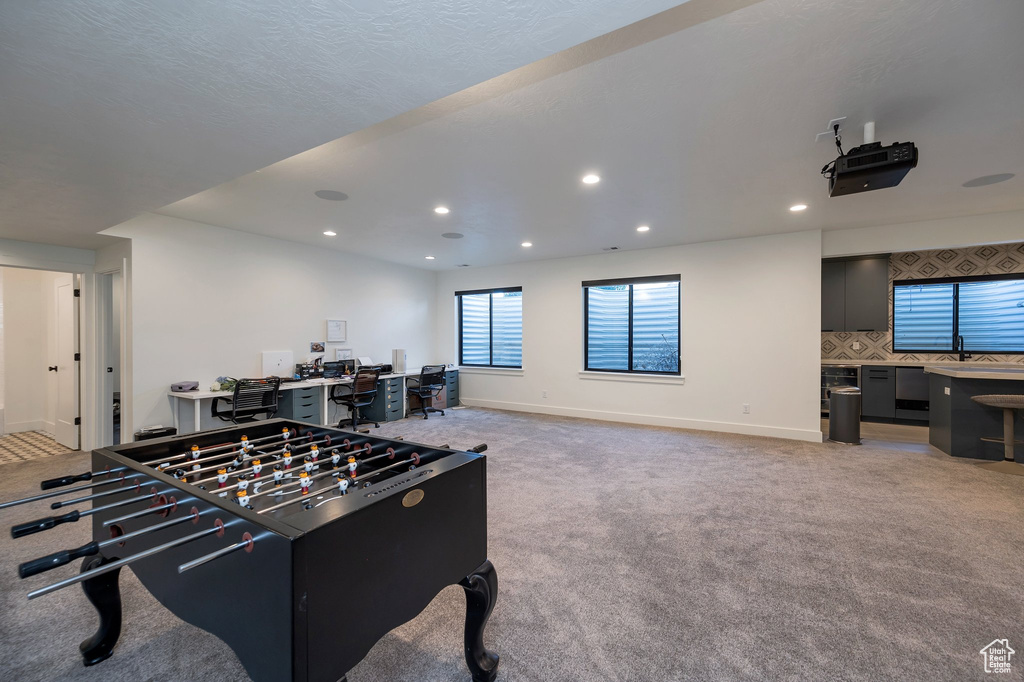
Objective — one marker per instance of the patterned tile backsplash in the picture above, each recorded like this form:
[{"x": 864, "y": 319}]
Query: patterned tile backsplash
[{"x": 979, "y": 260}]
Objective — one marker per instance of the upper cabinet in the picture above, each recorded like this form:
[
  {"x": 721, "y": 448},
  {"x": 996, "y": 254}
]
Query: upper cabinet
[{"x": 855, "y": 295}]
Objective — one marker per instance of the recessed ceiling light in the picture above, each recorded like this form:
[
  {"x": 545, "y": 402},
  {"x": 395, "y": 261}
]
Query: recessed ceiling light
[
  {"x": 796, "y": 208},
  {"x": 331, "y": 195},
  {"x": 330, "y": 233},
  {"x": 527, "y": 244},
  {"x": 988, "y": 180},
  {"x": 643, "y": 228},
  {"x": 429, "y": 257},
  {"x": 441, "y": 210},
  {"x": 591, "y": 179},
  {"x": 452, "y": 235}
]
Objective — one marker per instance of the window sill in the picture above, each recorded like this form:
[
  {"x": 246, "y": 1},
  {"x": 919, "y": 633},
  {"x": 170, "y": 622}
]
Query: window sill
[
  {"x": 635, "y": 378},
  {"x": 497, "y": 371}
]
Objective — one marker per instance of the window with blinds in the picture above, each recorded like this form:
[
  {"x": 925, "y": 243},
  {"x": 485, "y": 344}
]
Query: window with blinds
[
  {"x": 632, "y": 325},
  {"x": 987, "y": 311},
  {"x": 491, "y": 327}
]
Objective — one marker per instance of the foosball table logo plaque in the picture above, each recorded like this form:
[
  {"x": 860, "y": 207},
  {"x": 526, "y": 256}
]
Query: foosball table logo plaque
[{"x": 412, "y": 498}]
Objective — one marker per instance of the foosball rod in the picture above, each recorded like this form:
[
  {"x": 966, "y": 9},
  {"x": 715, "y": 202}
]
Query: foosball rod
[
  {"x": 245, "y": 454},
  {"x": 415, "y": 459},
  {"x": 255, "y": 455},
  {"x": 46, "y": 563},
  {"x": 247, "y": 544},
  {"x": 172, "y": 505},
  {"x": 227, "y": 446},
  {"x": 95, "y": 496},
  {"x": 67, "y": 491},
  {"x": 217, "y": 529},
  {"x": 267, "y": 464},
  {"x": 62, "y": 481},
  {"x": 277, "y": 489},
  {"x": 48, "y": 522}
]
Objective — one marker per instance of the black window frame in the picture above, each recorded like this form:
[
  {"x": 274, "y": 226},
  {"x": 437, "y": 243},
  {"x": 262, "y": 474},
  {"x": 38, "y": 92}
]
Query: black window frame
[
  {"x": 631, "y": 281},
  {"x": 956, "y": 282},
  {"x": 490, "y": 325}
]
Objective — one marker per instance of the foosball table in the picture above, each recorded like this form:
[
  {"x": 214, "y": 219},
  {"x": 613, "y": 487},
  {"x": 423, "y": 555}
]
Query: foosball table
[{"x": 362, "y": 532}]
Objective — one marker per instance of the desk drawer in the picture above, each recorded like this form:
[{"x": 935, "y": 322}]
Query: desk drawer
[{"x": 303, "y": 394}]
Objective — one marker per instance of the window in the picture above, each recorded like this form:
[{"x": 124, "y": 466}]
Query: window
[
  {"x": 632, "y": 325},
  {"x": 987, "y": 311},
  {"x": 491, "y": 327}
]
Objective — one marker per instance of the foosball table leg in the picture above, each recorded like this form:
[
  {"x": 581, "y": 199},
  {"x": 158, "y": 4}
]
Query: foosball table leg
[
  {"x": 481, "y": 593},
  {"x": 105, "y": 595}
]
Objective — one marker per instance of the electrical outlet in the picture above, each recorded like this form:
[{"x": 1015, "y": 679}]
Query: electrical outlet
[
  {"x": 945, "y": 389},
  {"x": 746, "y": 408},
  {"x": 543, "y": 394},
  {"x": 856, "y": 345}
]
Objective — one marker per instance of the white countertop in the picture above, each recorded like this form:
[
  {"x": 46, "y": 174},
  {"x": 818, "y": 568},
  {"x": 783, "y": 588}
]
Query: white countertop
[
  {"x": 967, "y": 370},
  {"x": 868, "y": 363}
]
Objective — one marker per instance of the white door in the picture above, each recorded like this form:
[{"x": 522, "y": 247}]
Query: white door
[{"x": 67, "y": 369}]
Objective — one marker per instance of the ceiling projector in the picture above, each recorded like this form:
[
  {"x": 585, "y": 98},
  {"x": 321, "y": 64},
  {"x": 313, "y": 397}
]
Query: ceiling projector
[{"x": 869, "y": 166}]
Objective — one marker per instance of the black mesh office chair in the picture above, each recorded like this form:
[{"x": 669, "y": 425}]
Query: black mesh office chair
[
  {"x": 252, "y": 397},
  {"x": 360, "y": 394},
  {"x": 427, "y": 387}
]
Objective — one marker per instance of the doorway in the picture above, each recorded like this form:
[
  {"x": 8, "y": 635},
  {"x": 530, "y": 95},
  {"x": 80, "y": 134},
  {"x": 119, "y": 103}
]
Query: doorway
[
  {"x": 109, "y": 292},
  {"x": 41, "y": 358}
]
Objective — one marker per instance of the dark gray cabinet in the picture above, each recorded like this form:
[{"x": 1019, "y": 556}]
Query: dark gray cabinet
[
  {"x": 878, "y": 392},
  {"x": 451, "y": 380},
  {"x": 855, "y": 295},
  {"x": 388, "y": 403},
  {"x": 867, "y": 295},
  {"x": 833, "y": 296},
  {"x": 300, "y": 404}
]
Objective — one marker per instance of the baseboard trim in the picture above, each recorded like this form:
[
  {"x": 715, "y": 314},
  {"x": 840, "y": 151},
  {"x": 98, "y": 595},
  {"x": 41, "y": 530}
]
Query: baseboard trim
[
  {"x": 36, "y": 425},
  {"x": 813, "y": 436}
]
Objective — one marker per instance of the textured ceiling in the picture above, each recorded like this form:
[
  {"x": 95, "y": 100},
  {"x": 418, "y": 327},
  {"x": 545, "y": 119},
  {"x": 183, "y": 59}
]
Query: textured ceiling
[
  {"x": 113, "y": 107},
  {"x": 703, "y": 133}
]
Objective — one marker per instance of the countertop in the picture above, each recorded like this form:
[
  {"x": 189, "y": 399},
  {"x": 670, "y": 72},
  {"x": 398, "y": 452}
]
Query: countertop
[
  {"x": 880, "y": 363},
  {"x": 966, "y": 370}
]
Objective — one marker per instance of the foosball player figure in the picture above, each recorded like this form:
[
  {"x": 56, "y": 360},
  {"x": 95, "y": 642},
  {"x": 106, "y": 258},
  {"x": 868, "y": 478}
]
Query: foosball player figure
[
  {"x": 243, "y": 498},
  {"x": 222, "y": 477},
  {"x": 307, "y": 464},
  {"x": 314, "y": 454},
  {"x": 304, "y": 482},
  {"x": 342, "y": 484},
  {"x": 286, "y": 433},
  {"x": 245, "y": 444},
  {"x": 335, "y": 458},
  {"x": 278, "y": 475},
  {"x": 287, "y": 459},
  {"x": 257, "y": 467},
  {"x": 352, "y": 465}
]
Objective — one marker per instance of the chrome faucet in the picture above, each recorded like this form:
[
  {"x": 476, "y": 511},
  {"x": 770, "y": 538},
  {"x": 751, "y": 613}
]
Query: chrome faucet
[{"x": 960, "y": 348}]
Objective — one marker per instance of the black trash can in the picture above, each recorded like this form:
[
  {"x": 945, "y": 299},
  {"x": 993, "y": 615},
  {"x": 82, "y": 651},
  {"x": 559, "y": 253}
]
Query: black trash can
[{"x": 844, "y": 415}]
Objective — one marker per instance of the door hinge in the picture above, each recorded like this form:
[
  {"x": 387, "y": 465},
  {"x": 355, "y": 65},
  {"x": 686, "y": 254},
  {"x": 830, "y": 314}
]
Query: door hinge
[
  {"x": 78, "y": 357},
  {"x": 78, "y": 421},
  {"x": 78, "y": 292}
]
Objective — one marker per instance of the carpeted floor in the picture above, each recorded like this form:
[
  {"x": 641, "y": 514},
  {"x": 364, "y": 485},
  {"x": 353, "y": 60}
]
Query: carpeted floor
[
  {"x": 28, "y": 445},
  {"x": 633, "y": 554}
]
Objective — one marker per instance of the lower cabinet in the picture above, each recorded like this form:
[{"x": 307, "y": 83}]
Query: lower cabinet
[
  {"x": 878, "y": 392},
  {"x": 301, "y": 405},
  {"x": 388, "y": 405}
]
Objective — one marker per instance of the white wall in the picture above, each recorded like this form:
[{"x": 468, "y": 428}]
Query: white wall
[
  {"x": 30, "y": 346},
  {"x": 750, "y": 334},
  {"x": 946, "y": 233},
  {"x": 206, "y": 301}
]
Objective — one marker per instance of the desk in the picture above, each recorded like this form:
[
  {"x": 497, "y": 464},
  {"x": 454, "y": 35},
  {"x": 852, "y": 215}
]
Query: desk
[{"x": 196, "y": 398}]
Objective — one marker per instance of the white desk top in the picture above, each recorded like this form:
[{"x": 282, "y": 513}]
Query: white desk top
[{"x": 285, "y": 386}]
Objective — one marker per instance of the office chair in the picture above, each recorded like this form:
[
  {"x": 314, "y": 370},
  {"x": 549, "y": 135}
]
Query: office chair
[
  {"x": 360, "y": 394},
  {"x": 427, "y": 387},
  {"x": 251, "y": 397}
]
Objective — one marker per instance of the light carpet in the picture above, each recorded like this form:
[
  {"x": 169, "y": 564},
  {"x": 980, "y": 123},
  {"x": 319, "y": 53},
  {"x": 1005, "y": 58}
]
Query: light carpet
[{"x": 632, "y": 553}]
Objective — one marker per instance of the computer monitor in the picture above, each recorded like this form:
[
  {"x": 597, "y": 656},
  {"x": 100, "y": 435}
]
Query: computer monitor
[{"x": 339, "y": 368}]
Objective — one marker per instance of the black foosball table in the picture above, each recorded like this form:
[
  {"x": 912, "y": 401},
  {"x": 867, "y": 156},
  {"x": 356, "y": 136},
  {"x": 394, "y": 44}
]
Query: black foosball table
[{"x": 363, "y": 531}]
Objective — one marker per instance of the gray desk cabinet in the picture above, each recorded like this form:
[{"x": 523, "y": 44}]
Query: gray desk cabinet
[
  {"x": 388, "y": 405},
  {"x": 451, "y": 379},
  {"x": 300, "y": 404}
]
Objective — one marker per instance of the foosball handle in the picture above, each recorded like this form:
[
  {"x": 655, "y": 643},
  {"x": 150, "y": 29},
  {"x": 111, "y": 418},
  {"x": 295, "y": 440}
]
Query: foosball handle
[
  {"x": 23, "y": 529},
  {"x": 479, "y": 448},
  {"x": 64, "y": 480},
  {"x": 42, "y": 564}
]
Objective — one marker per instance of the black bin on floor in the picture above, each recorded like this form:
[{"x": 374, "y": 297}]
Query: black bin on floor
[{"x": 844, "y": 415}]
